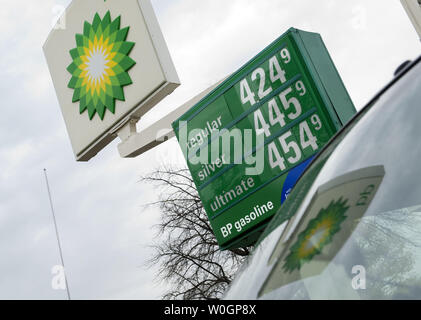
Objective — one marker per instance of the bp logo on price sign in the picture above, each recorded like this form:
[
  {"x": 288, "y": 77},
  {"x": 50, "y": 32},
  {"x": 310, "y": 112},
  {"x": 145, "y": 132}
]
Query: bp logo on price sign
[{"x": 250, "y": 139}]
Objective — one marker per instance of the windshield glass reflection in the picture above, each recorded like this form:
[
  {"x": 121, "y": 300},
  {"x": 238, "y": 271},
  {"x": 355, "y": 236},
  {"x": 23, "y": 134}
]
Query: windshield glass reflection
[
  {"x": 306, "y": 248},
  {"x": 385, "y": 242}
]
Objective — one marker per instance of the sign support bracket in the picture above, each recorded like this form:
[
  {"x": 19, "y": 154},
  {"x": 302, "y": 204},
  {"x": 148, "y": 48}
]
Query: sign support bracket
[{"x": 135, "y": 143}]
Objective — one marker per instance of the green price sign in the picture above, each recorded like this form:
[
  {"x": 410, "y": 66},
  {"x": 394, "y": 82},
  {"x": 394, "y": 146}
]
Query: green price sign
[{"x": 249, "y": 140}]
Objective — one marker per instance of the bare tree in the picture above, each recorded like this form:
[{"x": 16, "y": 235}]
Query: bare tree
[{"x": 187, "y": 252}]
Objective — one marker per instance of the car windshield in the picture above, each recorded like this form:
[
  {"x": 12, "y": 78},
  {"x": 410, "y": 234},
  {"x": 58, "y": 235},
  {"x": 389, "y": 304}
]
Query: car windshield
[{"x": 351, "y": 228}]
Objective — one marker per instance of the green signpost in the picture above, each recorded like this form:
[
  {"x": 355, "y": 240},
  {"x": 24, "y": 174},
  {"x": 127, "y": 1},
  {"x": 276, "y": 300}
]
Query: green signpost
[{"x": 249, "y": 140}]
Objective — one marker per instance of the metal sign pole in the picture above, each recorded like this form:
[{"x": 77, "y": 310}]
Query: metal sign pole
[{"x": 56, "y": 229}]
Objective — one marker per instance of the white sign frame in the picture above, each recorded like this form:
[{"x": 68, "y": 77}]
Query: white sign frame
[
  {"x": 149, "y": 87},
  {"x": 413, "y": 10}
]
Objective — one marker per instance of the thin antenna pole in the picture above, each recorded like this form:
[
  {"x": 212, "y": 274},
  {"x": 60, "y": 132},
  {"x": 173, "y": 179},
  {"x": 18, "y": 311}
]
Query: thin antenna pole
[{"x": 58, "y": 239}]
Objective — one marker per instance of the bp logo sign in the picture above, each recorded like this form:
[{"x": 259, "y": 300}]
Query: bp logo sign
[
  {"x": 100, "y": 65},
  {"x": 317, "y": 235}
]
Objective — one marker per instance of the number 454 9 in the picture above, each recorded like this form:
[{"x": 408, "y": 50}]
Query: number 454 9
[{"x": 289, "y": 145}]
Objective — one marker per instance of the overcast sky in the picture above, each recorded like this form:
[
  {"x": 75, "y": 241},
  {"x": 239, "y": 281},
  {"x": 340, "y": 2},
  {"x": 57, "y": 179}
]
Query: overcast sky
[{"x": 105, "y": 232}]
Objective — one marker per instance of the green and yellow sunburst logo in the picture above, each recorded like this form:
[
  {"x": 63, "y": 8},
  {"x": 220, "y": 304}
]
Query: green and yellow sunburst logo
[
  {"x": 100, "y": 65},
  {"x": 317, "y": 235}
]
